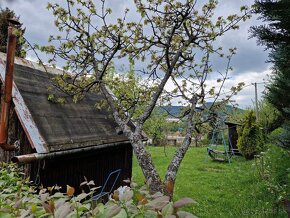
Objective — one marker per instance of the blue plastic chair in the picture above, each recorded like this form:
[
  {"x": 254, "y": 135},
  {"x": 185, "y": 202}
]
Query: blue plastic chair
[{"x": 113, "y": 176}]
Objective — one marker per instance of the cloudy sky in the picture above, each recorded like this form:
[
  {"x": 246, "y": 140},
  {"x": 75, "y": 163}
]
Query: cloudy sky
[{"x": 249, "y": 63}]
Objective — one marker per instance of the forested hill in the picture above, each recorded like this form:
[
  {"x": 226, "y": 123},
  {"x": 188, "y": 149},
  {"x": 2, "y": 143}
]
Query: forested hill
[{"x": 178, "y": 110}]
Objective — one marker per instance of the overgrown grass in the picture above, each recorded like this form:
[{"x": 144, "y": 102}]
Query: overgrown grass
[{"x": 221, "y": 189}]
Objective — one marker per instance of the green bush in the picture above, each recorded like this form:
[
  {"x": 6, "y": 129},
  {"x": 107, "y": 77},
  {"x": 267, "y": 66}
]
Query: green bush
[
  {"x": 273, "y": 167},
  {"x": 14, "y": 191},
  {"x": 283, "y": 139},
  {"x": 269, "y": 117},
  {"x": 275, "y": 134},
  {"x": 250, "y": 140},
  {"x": 18, "y": 199}
]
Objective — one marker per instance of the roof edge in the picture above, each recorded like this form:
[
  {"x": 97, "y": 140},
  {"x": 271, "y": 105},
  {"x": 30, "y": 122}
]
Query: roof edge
[
  {"x": 27, "y": 158},
  {"x": 34, "y": 65},
  {"x": 25, "y": 117},
  {"x": 86, "y": 144}
]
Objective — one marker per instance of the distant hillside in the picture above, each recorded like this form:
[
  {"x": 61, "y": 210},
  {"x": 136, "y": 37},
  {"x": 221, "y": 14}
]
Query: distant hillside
[
  {"x": 176, "y": 111},
  {"x": 228, "y": 108}
]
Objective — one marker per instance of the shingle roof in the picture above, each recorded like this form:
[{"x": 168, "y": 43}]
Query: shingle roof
[{"x": 52, "y": 126}]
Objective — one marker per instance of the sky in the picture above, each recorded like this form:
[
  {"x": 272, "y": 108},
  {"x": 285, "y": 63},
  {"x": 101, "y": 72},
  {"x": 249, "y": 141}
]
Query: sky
[{"x": 249, "y": 63}]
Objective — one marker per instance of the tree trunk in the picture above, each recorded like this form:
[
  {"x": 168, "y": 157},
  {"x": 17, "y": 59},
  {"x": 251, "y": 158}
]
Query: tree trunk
[
  {"x": 174, "y": 165},
  {"x": 143, "y": 157},
  {"x": 146, "y": 164}
]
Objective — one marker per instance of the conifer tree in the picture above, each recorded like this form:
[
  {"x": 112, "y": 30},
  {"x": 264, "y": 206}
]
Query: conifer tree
[
  {"x": 5, "y": 14},
  {"x": 275, "y": 35}
]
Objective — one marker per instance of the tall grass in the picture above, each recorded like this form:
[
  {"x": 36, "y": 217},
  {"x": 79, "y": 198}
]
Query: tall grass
[{"x": 221, "y": 189}]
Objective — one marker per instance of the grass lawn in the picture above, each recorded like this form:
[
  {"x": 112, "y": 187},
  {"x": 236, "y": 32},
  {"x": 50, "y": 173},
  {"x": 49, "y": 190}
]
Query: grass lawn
[{"x": 221, "y": 189}]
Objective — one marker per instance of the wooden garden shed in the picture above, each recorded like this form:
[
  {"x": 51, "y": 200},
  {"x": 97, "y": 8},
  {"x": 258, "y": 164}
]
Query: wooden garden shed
[
  {"x": 59, "y": 143},
  {"x": 233, "y": 136}
]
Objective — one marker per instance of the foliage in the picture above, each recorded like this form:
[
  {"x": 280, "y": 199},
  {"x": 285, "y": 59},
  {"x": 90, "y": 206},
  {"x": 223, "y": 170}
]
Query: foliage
[
  {"x": 15, "y": 191},
  {"x": 156, "y": 127},
  {"x": 20, "y": 200},
  {"x": 269, "y": 117},
  {"x": 238, "y": 115},
  {"x": 275, "y": 35},
  {"x": 280, "y": 85},
  {"x": 273, "y": 167},
  {"x": 4, "y": 15},
  {"x": 275, "y": 135},
  {"x": 275, "y": 32},
  {"x": 168, "y": 40},
  {"x": 284, "y": 139},
  {"x": 250, "y": 141},
  {"x": 130, "y": 91}
]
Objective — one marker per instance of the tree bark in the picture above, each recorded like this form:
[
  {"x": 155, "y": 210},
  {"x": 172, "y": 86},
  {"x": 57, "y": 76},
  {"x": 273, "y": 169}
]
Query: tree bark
[
  {"x": 174, "y": 165},
  {"x": 146, "y": 164},
  {"x": 144, "y": 158}
]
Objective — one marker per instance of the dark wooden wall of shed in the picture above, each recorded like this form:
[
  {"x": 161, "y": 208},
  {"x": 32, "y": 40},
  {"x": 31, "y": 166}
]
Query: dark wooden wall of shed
[
  {"x": 233, "y": 134},
  {"x": 71, "y": 170}
]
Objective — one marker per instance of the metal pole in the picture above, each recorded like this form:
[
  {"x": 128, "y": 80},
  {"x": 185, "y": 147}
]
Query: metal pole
[
  {"x": 256, "y": 100},
  {"x": 7, "y": 95}
]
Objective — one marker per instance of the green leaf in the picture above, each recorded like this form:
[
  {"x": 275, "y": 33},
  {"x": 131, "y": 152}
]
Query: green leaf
[
  {"x": 84, "y": 207},
  {"x": 150, "y": 214},
  {"x": 183, "y": 202},
  {"x": 101, "y": 208},
  {"x": 121, "y": 214},
  {"x": 81, "y": 197},
  {"x": 50, "y": 97},
  {"x": 5, "y": 215},
  {"x": 63, "y": 210},
  {"x": 114, "y": 210},
  {"x": 167, "y": 210},
  {"x": 58, "y": 195},
  {"x": 183, "y": 214},
  {"x": 128, "y": 195},
  {"x": 158, "y": 203}
]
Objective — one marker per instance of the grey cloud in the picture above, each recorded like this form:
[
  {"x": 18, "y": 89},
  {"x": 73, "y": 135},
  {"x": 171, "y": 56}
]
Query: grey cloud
[
  {"x": 35, "y": 18},
  {"x": 39, "y": 25},
  {"x": 250, "y": 57}
]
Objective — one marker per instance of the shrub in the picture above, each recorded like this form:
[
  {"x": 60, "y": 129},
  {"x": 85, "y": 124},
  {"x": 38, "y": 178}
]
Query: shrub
[
  {"x": 18, "y": 199},
  {"x": 275, "y": 135},
  {"x": 269, "y": 117},
  {"x": 250, "y": 140},
  {"x": 14, "y": 190},
  {"x": 284, "y": 138},
  {"x": 273, "y": 167}
]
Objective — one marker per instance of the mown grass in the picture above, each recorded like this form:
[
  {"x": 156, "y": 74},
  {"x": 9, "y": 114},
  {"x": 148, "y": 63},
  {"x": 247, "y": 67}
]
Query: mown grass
[{"x": 221, "y": 189}]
